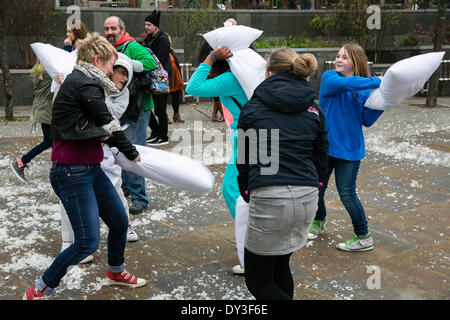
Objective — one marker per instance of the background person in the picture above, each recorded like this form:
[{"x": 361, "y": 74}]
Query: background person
[
  {"x": 133, "y": 185},
  {"x": 159, "y": 43},
  {"x": 41, "y": 112},
  {"x": 177, "y": 84}
]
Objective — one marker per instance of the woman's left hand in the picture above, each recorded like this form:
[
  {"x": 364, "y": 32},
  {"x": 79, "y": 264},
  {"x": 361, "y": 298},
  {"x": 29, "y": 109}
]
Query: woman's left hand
[{"x": 137, "y": 159}]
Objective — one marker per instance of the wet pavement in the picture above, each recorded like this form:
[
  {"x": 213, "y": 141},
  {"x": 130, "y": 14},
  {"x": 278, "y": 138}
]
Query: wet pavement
[{"x": 186, "y": 244}]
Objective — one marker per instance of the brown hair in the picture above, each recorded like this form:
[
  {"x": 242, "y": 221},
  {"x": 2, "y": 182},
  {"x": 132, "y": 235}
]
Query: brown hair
[
  {"x": 95, "y": 45},
  {"x": 79, "y": 33},
  {"x": 121, "y": 69},
  {"x": 358, "y": 58},
  {"x": 287, "y": 60}
]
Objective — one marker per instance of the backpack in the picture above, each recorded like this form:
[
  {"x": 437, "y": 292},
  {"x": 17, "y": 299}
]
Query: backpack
[{"x": 158, "y": 78}]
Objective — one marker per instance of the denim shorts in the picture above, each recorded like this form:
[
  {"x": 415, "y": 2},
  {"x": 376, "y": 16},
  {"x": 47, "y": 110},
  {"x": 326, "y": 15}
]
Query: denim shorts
[{"x": 280, "y": 218}]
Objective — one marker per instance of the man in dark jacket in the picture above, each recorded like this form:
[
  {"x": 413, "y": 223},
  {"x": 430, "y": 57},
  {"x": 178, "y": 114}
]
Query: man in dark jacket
[{"x": 159, "y": 43}]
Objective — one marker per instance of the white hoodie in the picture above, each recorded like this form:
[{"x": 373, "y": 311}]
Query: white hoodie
[{"x": 118, "y": 103}]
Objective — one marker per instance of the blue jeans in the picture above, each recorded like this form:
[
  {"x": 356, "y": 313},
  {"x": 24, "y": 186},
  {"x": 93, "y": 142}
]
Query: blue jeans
[
  {"x": 46, "y": 143},
  {"x": 87, "y": 194},
  {"x": 346, "y": 173},
  {"x": 137, "y": 134}
]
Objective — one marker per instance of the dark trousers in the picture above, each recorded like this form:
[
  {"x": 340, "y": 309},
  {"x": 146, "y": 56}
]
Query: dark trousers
[
  {"x": 46, "y": 143},
  {"x": 176, "y": 95},
  {"x": 268, "y": 277},
  {"x": 345, "y": 173},
  {"x": 159, "y": 127}
]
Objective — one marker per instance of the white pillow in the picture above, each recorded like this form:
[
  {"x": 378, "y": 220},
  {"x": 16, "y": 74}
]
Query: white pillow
[
  {"x": 54, "y": 60},
  {"x": 169, "y": 168},
  {"x": 233, "y": 37},
  {"x": 403, "y": 80},
  {"x": 247, "y": 66}
]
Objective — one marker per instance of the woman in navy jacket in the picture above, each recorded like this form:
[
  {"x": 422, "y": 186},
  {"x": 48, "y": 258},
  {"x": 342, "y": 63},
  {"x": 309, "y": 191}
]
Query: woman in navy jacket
[{"x": 282, "y": 157}]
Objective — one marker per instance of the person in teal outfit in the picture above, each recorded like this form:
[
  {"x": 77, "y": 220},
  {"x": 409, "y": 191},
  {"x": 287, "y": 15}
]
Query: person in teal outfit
[{"x": 213, "y": 78}]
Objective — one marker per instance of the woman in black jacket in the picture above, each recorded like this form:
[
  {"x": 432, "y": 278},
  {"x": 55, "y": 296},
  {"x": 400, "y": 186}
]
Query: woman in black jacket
[
  {"x": 81, "y": 121},
  {"x": 282, "y": 157}
]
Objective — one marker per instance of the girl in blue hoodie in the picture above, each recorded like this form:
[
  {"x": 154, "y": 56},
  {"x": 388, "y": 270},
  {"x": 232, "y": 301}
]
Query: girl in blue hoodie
[{"x": 343, "y": 92}]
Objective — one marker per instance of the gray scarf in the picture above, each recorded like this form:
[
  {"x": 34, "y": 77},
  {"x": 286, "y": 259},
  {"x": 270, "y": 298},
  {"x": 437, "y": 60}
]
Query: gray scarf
[
  {"x": 95, "y": 73},
  {"x": 110, "y": 88}
]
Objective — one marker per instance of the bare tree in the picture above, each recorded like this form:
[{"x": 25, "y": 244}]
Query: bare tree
[
  {"x": 7, "y": 83},
  {"x": 437, "y": 46}
]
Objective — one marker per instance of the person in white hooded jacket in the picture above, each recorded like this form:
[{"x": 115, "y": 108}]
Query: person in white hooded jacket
[{"x": 117, "y": 105}]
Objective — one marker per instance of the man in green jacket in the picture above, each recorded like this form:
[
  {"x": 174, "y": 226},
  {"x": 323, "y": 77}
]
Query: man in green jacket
[{"x": 115, "y": 33}]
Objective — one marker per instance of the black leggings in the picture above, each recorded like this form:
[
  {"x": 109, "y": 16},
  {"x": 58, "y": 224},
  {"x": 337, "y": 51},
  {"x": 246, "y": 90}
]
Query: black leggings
[{"x": 268, "y": 277}]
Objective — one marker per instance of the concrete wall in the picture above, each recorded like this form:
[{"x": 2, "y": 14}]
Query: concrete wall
[{"x": 275, "y": 23}]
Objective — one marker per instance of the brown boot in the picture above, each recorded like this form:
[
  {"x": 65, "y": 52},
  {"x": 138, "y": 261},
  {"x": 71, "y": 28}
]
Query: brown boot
[{"x": 177, "y": 118}]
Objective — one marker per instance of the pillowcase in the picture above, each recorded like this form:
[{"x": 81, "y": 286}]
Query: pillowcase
[
  {"x": 54, "y": 60},
  {"x": 233, "y": 37},
  {"x": 403, "y": 80}
]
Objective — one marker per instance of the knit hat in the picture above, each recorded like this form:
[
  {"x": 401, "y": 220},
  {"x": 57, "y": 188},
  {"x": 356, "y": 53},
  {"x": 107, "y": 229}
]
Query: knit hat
[{"x": 153, "y": 18}]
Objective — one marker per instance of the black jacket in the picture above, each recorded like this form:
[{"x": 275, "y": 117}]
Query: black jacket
[
  {"x": 160, "y": 46},
  {"x": 286, "y": 103},
  {"x": 79, "y": 112}
]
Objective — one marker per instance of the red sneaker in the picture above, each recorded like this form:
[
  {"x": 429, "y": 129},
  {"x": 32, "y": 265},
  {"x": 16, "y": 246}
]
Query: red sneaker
[
  {"x": 34, "y": 294},
  {"x": 125, "y": 278}
]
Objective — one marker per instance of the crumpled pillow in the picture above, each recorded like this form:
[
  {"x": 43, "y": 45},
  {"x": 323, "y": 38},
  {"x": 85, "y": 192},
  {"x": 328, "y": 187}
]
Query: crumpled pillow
[
  {"x": 233, "y": 37},
  {"x": 169, "y": 168},
  {"x": 247, "y": 66},
  {"x": 403, "y": 80},
  {"x": 54, "y": 60}
]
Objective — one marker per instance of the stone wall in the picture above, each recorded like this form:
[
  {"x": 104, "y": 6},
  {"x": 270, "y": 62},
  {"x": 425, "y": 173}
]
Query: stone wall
[{"x": 274, "y": 23}]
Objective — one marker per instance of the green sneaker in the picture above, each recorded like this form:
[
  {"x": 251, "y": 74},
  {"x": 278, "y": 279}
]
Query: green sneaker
[
  {"x": 316, "y": 227},
  {"x": 357, "y": 243}
]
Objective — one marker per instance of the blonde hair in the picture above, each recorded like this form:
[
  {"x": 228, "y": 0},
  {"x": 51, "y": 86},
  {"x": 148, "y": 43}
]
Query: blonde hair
[
  {"x": 95, "y": 45},
  {"x": 287, "y": 60},
  {"x": 38, "y": 70},
  {"x": 358, "y": 58}
]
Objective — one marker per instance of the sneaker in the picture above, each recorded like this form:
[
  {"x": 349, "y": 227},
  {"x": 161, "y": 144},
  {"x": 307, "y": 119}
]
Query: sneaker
[
  {"x": 125, "y": 278},
  {"x": 357, "y": 243},
  {"x": 137, "y": 208},
  {"x": 131, "y": 235},
  {"x": 18, "y": 167},
  {"x": 34, "y": 294},
  {"x": 316, "y": 227},
  {"x": 159, "y": 142},
  {"x": 152, "y": 138},
  {"x": 237, "y": 269},
  {"x": 67, "y": 244}
]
